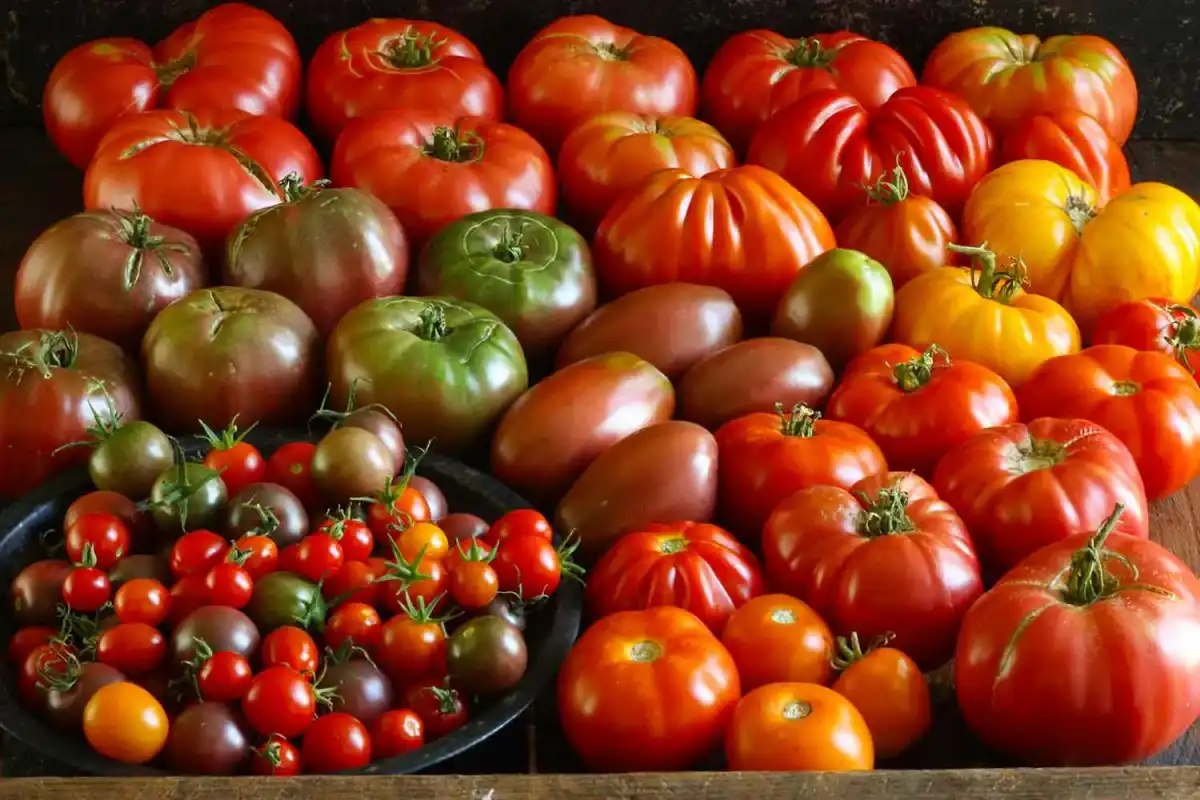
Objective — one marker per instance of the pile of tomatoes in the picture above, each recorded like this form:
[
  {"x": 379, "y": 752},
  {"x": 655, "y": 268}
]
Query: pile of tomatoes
[{"x": 206, "y": 620}]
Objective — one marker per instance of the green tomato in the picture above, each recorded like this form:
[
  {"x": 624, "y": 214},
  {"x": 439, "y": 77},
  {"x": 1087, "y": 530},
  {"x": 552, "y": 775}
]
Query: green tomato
[
  {"x": 188, "y": 497},
  {"x": 281, "y": 598}
]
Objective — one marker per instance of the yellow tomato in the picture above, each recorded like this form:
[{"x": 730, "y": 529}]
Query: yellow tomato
[
  {"x": 981, "y": 314},
  {"x": 124, "y": 722},
  {"x": 1144, "y": 243}
]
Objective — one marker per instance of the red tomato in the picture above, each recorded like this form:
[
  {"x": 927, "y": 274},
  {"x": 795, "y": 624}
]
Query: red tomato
[
  {"x": 916, "y": 406},
  {"x": 238, "y": 461},
  {"x": 774, "y": 638},
  {"x": 224, "y": 677},
  {"x": 465, "y": 550},
  {"x": 259, "y": 555},
  {"x": 767, "y": 457},
  {"x": 580, "y": 66},
  {"x": 798, "y": 727},
  {"x": 529, "y": 567},
  {"x": 889, "y": 690},
  {"x": 196, "y": 552},
  {"x": 289, "y": 559},
  {"x": 398, "y": 63},
  {"x": 233, "y": 56},
  {"x": 134, "y": 648},
  {"x": 212, "y": 147},
  {"x": 280, "y": 700},
  {"x": 414, "y": 581},
  {"x": 357, "y": 623},
  {"x": 354, "y": 582},
  {"x": 229, "y": 585},
  {"x": 335, "y": 742},
  {"x": 756, "y": 73},
  {"x": 86, "y": 589},
  {"x": 106, "y": 535},
  {"x": 1154, "y": 324},
  {"x": 885, "y": 557},
  {"x": 519, "y": 522},
  {"x": 291, "y": 647},
  {"x": 1073, "y": 139},
  {"x": 317, "y": 556},
  {"x": 54, "y": 659},
  {"x": 694, "y": 566},
  {"x": 276, "y": 756},
  {"x": 440, "y": 708},
  {"x": 412, "y": 645},
  {"x": 457, "y": 166},
  {"x": 666, "y": 664},
  {"x": 352, "y": 535},
  {"x": 474, "y": 584},
  {"x": 397, "y": 732},
  {"x": 142, "y": 600},
  {"x": 28, "y": 639},
  {"x": 114, "y": 504},
  {"x": 289, "y": 467},
  {"x": 614, "y": 152},
  {"x": 1147, "y": 400},
  {"x": 187, "y": 594},
  {"x": 1106, "y": 616},
  {"x": 397, "y": 505}
]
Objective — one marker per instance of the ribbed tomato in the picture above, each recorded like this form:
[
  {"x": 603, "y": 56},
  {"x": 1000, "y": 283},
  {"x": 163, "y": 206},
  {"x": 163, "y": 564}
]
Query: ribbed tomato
[{"x": 1075, "y": 140}]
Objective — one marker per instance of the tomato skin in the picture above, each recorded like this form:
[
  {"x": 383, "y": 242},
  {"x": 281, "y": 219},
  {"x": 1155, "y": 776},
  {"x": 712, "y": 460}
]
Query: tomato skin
[
  {"x": 756, "y": 73},
  {"x": 50, "y": 657},
  {"x": 289, "y": 467},
  {"x": 694, "y": 566},
  {"x": 423, "y": 540},
  {"x": 277, "y": 756},
  {"x": 291, "y": 647},
  {"x": 761, "y": 465},
  {"x": 229, "y": 585},
  {"x": 888, "y": 689},
  {"x": 279, "y": 700},
  {"x": 663, "y": 661},
  {"x": 28, "y": 639},
  {"x": 124, "y": 722},
  {"x": 336, "y": 742},
  {"x": 353, "y": 622},
  {"x": 528, "y": 566},
  {"x": 519, "y": 522},
  {"x": 915, "y": 408},
  {"x": 1125, "y": 689},
  {"x": 1147, "y": 400},
  {"x": 409, "y": 649},
  {"x": 1154, "y": 324},
  {"x": 225, "y": 677},
  {"x": 317, "y": 556},
  {"x": 134, "y": 648},
  {"x": 196, "y": 552},
  {"x": 566, "y": 74},
  {"x": 397, "y": 732},
  {"x": 86, "y": 589},
  {"x": 797, "y": 727},
  {"x": 774, "y": 638},
  {"x": 240, "y": 464},
  {"x": 440, "y": 709},
  {"x": 913, "y": 576},
  {"x": 108, "y": 536},
  {"x": 142, "y": 600},
  {"x": 263, "y": 555},
  {"x": 1073, "y": 139}
]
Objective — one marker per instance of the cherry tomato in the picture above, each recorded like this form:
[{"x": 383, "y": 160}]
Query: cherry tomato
[
  {"x": 187, "y": 594},
  {"x": 126, "y": 723},
  {"x": 396, "y": 507},
  {"x": 353, "y": 583},
  {"x": 520, "y": 522},
  {"x": 335, "y": 742},
  {"x": 53, "y": 659},
  {"x": 108, "y": 536},
  {"x": 412, "y": 645},
  {"x": 259, "y": 554},
  {"x": 224, "y": 677},
  {"x": 440, "y": 708},
  {"x": 423, "y": 538},
  {"x": 408, "y": 583},
  {"x": 289, "y": 558},
  {"x": 888, "y": 689},
  {"x": 474, "y": 549},
  {"x": 774, "y": 638},
  {"x": 291, "y": 647},
  {"x": 228, "y": 585},
  {"x": 86, "y": 589},
  {"x": 26, "y": 640},
  {"x": 396, "y": 732},
  {"x": 238, "y": 461},
  {"x": 528, "y": 566},
  {"x": 289, "y": 466},
  {"x": 276, "y": 756},
  {"x": 142, "y": 600},
  {"x": 353, "y": 535},
  {"x": 354, "y": 622},
  {"x": 474, "y": 584},
  {"x": 197, "y": 551},
  {"x": 280, "y": 700},
  {"x": 133, "y": 648},
  {"x": 317, "y": 555}
]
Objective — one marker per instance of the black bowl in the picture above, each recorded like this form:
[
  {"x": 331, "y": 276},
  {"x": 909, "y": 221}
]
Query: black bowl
[{"x": 549, "y": 632}]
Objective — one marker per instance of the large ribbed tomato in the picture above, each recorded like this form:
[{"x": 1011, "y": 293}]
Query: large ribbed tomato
[{"x": 1074, "y": 140}]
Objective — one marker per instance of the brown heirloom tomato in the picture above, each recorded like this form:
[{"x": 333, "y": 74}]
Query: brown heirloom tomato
[
  {"x": 742, "y": 229},
  {"x": 398, "y": 63},
  {"x": 228, "y": 352},
  {"x": 106, "y": 273},
  {"x": 326, "y": 250},
  {"x": 555, "y": 430},
  {"x": 1075, "y": 140},
  {"x": 54, "y": 387},
  {"x": 445, "y": 368}
]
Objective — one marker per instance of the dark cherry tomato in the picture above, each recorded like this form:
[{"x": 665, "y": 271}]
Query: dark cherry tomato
[
  {"x": 134, "y": 648},
  {"x": 412, "y": 644},
  {"x": 280, "y": 700},
  {"x": 440, "y": 708},
  {"x": 276, "y": 756},
  {"x": 86, "y": 589},
  {"x": 238, "y": 461},
  {"x": 187, "y": 594},
  {"x": 474, "y": 584},
  {"x": 26, "y": 640},
  {"x": 229, "y": 585},
  {"x": 142, "y": 600},
  {"x": 291, "y": 647},
  {"x": 353, "y": 622},
  {"x": 527, "y": 566},
  {"x": 259, "y": 555},
  {"x": 335, "y": 742},
  {"x": 395, "y": 733},
  {"x": 107, "y": 535},
  {"x": 53, "y": 659},
  {"x": 520, "y": 522},
  {"x": 197, "y": 552},
  {"x": 353, "y": 535},
  {"x": 224, "y": 677},
  {"x": 317, "y": 556},
  {"x": 290, "y": 466},
  {"x": 353, "y": 583}
]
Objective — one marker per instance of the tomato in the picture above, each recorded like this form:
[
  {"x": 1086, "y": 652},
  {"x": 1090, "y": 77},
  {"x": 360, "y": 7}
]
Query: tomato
[
  {"x": 580, "y": 66},
  {"x": 468, "y": 550},
  {"x": 765, "y": 458},
  {"x": 229, "y": 585},
  {"x": 423, "y": 539},
  {"x": 440, "y": 708},
  {"x": 1073, "y": 139},
  {"x": 908, "y": 233},
  {"x": 280, "y": 700},
  {"x": 886, "y": 556},
  {"x": 289, "y": 646},
  {"x": 142, "y": 600},
  {"x": 52, "y": 659},
  {"x": 396, "y": 506},
  {"x": 694, "y": 566},
  {"x": 798, "y": 727},
  {"x": 188, "y": 593},
  {"x": 1154, "y": 324},
  {"x": 888, "y": 689},
  {"x": 336, "y": 742},
  {"x": 28, "y": 639},
  {"x": 289, "y": 467},
  {"x": 196, "y": 552},
  {"x": 238, "y": 461},
  {"x": 354, "y": 582},
  {"x": 1048, "y": 217},
  {"x": 224, "y": 677},
  {"x": 1147, "y": 400},
  {"x": 385, "y": 64},
  {"x": 397, "y": 732},
  {"x": 49, "y": 397},
  {"x": 354, "y": 536},
  {"x": 353, "y": 622},
  {"x": 276, "y": 756},
  {"x": 530, "y": 567},
  {"x": 462, "y": 164},
  {"x": 317, "y": 556},
  {"x": 474, "y": 584},
  {"x": 124, "y": 722},
  {"x": 132, "y": 647},
  {"x": 106, "y": 536},
  {"x": 774, "y": 638},
  {"x": 917, "y": 406},
  {"x": 662, "y": 661},
  {"x": 519, "y": 522},
  {"x": 412, "y": 644},
  {"x": 257, "y": 555},
  {"x": 86, "y": 588},
  {"x": 756, "y": 73},
  {"x": 981, "y": 314},
  {"x": 743, "y": 230},
  {"x": 1105, "y": 613},
  {"x": 210, "y": 145},
  {"x": 611, "y": 153},
  {"x": 828, "y": 145},
  {"x": 1008, "y": 77}
]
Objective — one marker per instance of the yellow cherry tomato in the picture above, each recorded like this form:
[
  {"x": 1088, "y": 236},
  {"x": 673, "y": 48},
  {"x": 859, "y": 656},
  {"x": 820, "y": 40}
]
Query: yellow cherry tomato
[{"x": 124, "y": 722}]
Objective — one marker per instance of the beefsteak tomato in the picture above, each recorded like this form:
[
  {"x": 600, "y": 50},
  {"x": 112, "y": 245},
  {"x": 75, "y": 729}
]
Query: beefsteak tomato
[
  {"x": 1086, "y": 654},
  {"x": 664, "y": 663},
  {"x": 1144, "y": 243},
  {"x": 1021, "y": 487},
  {"x": 828, "y": 145},
  {"x": 756, "y": 73},
  {"x": 611, "y": 153},
  {"x": 233, "y": 56},
  {"x": 885, "y": 556},
  {"x": 1147, "y": 400},
  {"x": 1008, "y": 77},
  {"x": 694, "y": 566},
  {"x": 1075, "y": 140},
  {"x": 432, "y": 169},
  {"x": 580, "y": 66},
  {"x": 1155, "y": 324},
  {"x": 744, "y": 230},
  {"x": 916, "y": 406},
  {"x": 398, "y": 63},
  {"x": 767, "y": 457},
  {"x": 55, "y": 387},
  {"x": 982, "y": 314},
  {"x": 202, "y": 171}
]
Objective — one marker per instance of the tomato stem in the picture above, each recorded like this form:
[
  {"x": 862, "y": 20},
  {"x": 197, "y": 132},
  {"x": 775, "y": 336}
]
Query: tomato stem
[
  {"x": 645, "y": 651},
  {"x": 1079, "y": 211},
  {"x": 412, "y": 50},
  {"x": 609, "y": 51},
  {"x": 135, "y": 232},
  {"x": 916, "y": 372},
  {"x": 800, "y": 421},
  {"x": 292, "y": 187},
  {"x": 808, "y": 53},
  {"x": 433, "y": 327},
  {"x": 990, "y": 281},
  {"x": 454, "y": 145},
  {"x": 886, "y": 514},
  {"x": 1087, "y": 580},
  {"x": 1034, "y": 454},
  {"x": 1183, "y": 335},
  {"x": 797, "y": 709},
  {"x": 887, "y": 192},
  {"x": 509, "y": 249},
  {"x": 50, "y": 351}
]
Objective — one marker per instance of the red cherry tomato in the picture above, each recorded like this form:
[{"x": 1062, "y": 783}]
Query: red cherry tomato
[
  {"x": 107, "y": 535},
  {"x": 238, "y": 461},
  {"x": 336, "y": 742},
  {"x": 317, "y": 556},
  {"x": 277, "y": 756},
  {"x": 52, "y": 658},
  {"x": 528, "y": 566},
  {"x": 228, "y": 585},
  {"x": 440, "y": 708},
  {"x": 468, "y": 550},
  {"x": 259, "y": 554},
  {"x": 520, "y": 522},
  {"x": 290, "y": 466},
  {"x": 189, "y": 593},
  {"x": 142, "y": 600},
  {"x": 353, "y": 583},
  {"x": 197, "y": 551},
  {"x": 425, "y": 580},
  {"x": 224, "y": 677},
  {"x": 474, "y": 584},
  {"x": 26, "y": 640},
  {"x": 291, "y": 647},
  {"x": 358, "y": 623},
  {"x": 353, "y": 535},
  {"x": 134, "y": 648},
  {"x": 395, "y": 733},
  {"x": 280, "y": 700},
  {"x": 289, "y": 558},
  {"x": 86, "y": 589}
]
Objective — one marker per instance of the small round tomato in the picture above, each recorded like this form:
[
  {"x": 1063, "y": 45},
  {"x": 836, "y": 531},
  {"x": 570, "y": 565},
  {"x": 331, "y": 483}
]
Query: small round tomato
[
  {"x": 291, "y": 647},
  {"x": 353, "y": 582},
  {"x": 259, "y": 555},
  {"x": 407, "y": 582},
  {"x": 423, "y": 540},
  {"x": 317, "y": 556},
  {"x": 229, "y": 585},
  {"x": 107, "y": 535},
  {"x": 142, "y": 600},
  {"x": 124, "y": 722},
  {"x": 797, "y": 727},
  {"x": 779, "y": 639},
  {"x": 52, "y": 658},
  {"x": 473, "y": 549},
  {"x": 412, "y": 644},
  {"x": 224, "y": 677},
  {"x": 441, "y": 708},
  {"x": 353, "y": 535},
  {"x": 86, "y": 589},
  {"x": 238, "y": 461},
  {"x": 474, "y": 584},
  {"x": 280, "y": 700},
  {"x": 276, "y": 756},
  {"x": 396, "y": 506},
  {"x": 888, "y": 689},
  {"x": 356, "y": 623},
  {"x": 187, "y": 594},
  {"x": 28, "y": 639},
  {"x": 290, "y": 466},
  {"x": 134, "y": 648},
  {"x": 289, "y": 556},
  {"x": 336, "y": 742},
  {"x": 397, "y": 732},
  {"x": 528, "y": 566},
  {"x": 197, "y": 552},
  {"x": 520, "y": 522}
]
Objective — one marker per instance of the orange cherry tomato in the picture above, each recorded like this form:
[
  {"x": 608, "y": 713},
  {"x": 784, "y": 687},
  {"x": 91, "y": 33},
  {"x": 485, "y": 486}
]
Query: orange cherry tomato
[
  {"x": 423, "y": 540},
  {"x": 124, "y": 722},
  {"x": 779, "y": 639},
  {"x": 797, "y": 727},
  {"x": 888, "y": 689}
]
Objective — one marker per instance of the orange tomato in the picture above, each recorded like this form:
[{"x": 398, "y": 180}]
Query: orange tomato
[
  {"x": 124, "y": 722},
  {"x": 424, "y": 540},
  {"x": 798, "y": 727},
  {"x": 776, "y": 638},
  {"x": 1075, "y": 140},
  {"x": 888, "y": 689}
]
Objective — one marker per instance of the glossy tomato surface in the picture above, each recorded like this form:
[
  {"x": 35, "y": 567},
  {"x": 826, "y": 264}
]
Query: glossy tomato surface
[
  {"x": 1075, "y": 140},
  {"x": 795, "y": 727},
  {"x": 1155, "y": 324}
]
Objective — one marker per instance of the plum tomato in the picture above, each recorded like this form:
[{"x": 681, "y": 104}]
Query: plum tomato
[
  {"x": 108, "y": 536},
  {"x": 412, "y": 644},
  {"x": 238, "y": 461},
  {"x": 317, "y": 556},
  {"x": 86, "y": 588},
  {"x": 197, "y": 552},
  {"x": 530, "y": 566},
  {"x": 441, "y": 708},
  {"x": 354, "y": 536},
  {"x": 142, "y": 600},
  {"x": 134, "y": 648},
  {"x": 354, "y": 582},
  {"x": 224, "y": 677},
  {"x": 276, "y": 756},
  {"x": 126, "y": 723},
  {"x": 423, "y": 539},
  {"x": 395, "y": 733},
  {"x": 888, "y": 689},
  {"x": 291, "y": 467},
  {"x": 229, "y": 585},
  {"x": 520, "y": 522},
  {"x": 26, "y": 640},
  {"x": 336, "y": 742},
  {"x": 258, "y": 555},
  {"x": 353, "y": 624},
  {"x": 280, "y": 700},
  {"x": 187, "y": 594},
  {"x": 291, "y": 647}
]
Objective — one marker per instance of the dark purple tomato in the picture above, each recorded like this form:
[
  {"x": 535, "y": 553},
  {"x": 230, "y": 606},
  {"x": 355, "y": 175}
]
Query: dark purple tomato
[
  {"x": 267, "y": 509},
  {"x": 381, "y": 424},
  {"x": 438, "y": 507},
  {"x": 360, "y": 689},
  {"x": 349, "y": 463},
  {"x": 460, "y": 526},
  {"x": 37, "y": 591},
  {"x": 207, "y": 739},
  {"x": 65, "y": 703},
  {"x": 508, "y": 610},
  {"x": 486, "y": 656},
  {"x": 220, "y": 627}
]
